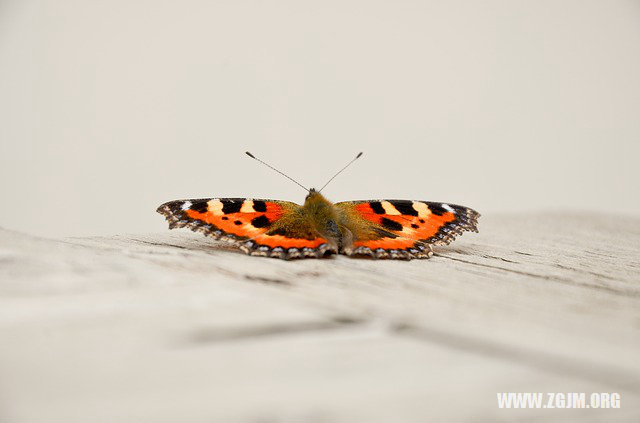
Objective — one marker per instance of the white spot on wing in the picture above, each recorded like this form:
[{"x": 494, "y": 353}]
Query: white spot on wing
[
  {"x": 215, "y": 207},
  {"x": 247, "y": 207},
  {"x": 389, "y": 208},
  {"x": 421, "y": 208},
  {"x": 186, "y": 205},
  {"x": 448, "y": 208}
]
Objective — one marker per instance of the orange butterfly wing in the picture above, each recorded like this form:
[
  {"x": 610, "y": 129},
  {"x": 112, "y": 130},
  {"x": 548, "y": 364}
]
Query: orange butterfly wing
[
  {"x": 404, "y": 229},
  {"x": 258, "y": 227}
]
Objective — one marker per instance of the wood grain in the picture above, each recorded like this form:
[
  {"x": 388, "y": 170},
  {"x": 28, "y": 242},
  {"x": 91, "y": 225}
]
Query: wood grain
[{"x": 173, "y": 326}]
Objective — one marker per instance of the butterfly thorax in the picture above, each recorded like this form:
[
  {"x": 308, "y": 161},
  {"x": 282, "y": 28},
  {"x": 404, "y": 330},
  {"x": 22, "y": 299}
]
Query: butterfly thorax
[{"x": 323, "y": 215}]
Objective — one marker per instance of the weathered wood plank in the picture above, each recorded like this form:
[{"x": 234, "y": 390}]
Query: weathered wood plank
[{"x": 153, "y": 327}]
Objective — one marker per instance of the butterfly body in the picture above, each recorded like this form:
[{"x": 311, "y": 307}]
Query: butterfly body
[{"x": 396, "y": 229}]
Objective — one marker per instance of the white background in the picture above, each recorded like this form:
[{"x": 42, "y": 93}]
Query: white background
[{"x": 108, "y": 109}]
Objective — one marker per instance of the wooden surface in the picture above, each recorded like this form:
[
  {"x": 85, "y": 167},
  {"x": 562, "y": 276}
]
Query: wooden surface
[{"x": 172, "y": 327}]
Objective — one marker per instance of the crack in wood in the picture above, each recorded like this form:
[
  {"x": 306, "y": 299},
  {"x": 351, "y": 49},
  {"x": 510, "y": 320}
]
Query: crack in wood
[
  {"x": 499, "y": 258},
  {"x": 586, "y": 272},
  {"x": 206, "y": 336},
  {"x": 159, "y": 244},
  {"x": 267, "y": 280},
  {"x": 565, "y": 281}
]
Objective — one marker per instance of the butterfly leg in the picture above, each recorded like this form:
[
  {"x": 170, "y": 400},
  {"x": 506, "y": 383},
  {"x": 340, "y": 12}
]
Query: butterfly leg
[{"x": 346, "y": 241}]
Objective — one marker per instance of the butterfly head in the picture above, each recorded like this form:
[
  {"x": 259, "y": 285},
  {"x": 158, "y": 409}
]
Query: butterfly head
[{"x": 314, "y": 197}]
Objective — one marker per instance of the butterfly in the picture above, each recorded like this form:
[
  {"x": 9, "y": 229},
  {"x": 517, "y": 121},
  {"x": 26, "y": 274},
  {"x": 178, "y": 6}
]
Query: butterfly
[{"x": 381, "y": 229}]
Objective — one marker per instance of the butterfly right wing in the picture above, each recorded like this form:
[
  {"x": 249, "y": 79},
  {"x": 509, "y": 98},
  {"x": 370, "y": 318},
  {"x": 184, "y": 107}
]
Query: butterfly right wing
[
  {"x": 402, "y": 228},
  {"x": 258, "y": 227}
]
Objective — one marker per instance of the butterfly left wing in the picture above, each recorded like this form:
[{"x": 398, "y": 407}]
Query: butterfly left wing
[
  {"x": 258, "y": 227},
  {"x": 403, "y": 229}
]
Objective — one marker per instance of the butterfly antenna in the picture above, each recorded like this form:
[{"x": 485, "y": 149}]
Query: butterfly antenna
[
  {"x": 273, "y": 168},
  {"x": 340, "y": 171}
]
